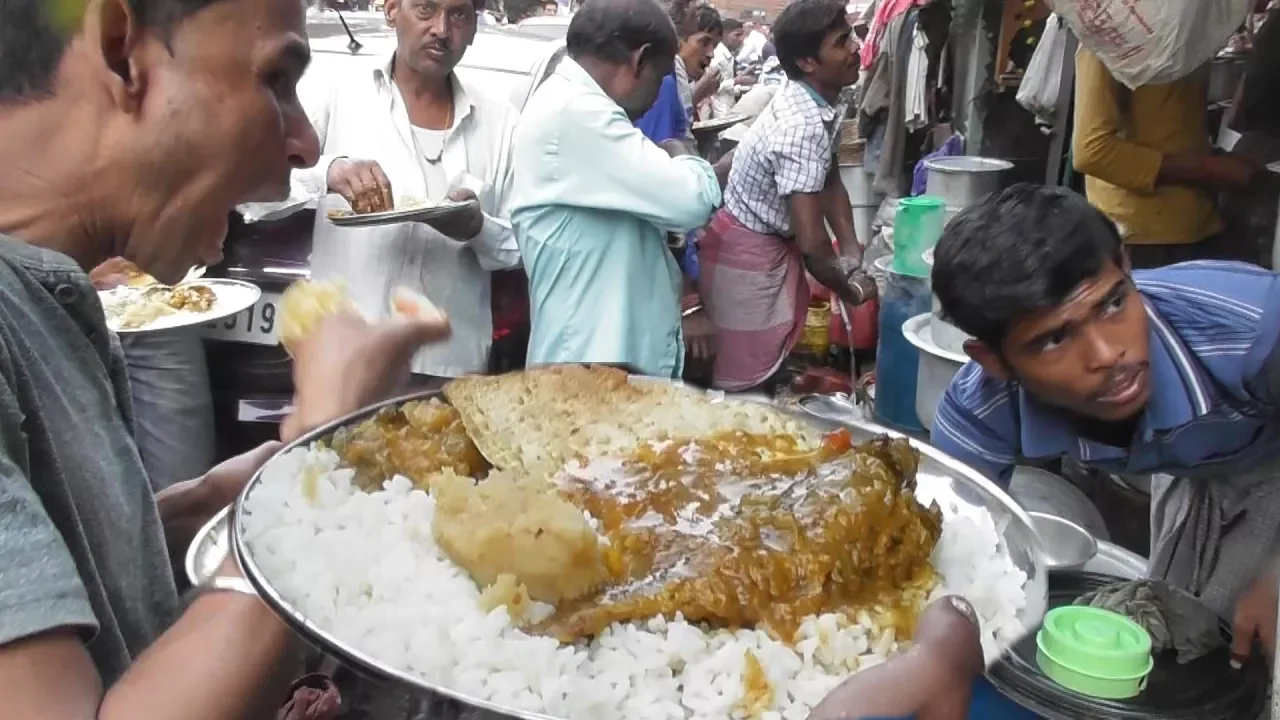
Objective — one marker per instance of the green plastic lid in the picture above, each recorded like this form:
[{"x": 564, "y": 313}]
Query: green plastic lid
[
  {"x": 922, "y": 201},
  {"x": 1096, "y": 642}
]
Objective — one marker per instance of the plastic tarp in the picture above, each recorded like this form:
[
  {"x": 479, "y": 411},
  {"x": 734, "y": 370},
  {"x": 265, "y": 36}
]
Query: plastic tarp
[{"x": 1152, "y": 42}]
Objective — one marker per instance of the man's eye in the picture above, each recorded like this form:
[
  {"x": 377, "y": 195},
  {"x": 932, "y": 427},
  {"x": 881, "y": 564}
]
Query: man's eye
[
  {"x": 1114, "y": 305},
  {"x": 1053, "y": 341}
]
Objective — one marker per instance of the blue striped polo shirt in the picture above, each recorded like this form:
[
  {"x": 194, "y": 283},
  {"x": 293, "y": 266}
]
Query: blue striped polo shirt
[{"x": 1213, "y": 374}]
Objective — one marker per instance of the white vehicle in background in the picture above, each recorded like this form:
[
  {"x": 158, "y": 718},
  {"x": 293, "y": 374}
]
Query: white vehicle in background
[
  {"x": 550, "y": 27},
  {"x": 250, "y": 372}
]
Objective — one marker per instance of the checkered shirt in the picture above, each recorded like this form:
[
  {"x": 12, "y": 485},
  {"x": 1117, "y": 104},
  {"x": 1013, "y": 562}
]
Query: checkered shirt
[{"x": 789, "y": 149}]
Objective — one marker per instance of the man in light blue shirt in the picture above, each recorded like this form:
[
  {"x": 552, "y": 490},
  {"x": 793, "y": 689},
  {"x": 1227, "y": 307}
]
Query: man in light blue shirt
[{"x": 593, "y": 199}]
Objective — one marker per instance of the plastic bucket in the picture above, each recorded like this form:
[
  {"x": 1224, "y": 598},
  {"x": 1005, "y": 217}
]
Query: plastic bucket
[
  {"x": 902, "y": 297},
  {"x": 916, "y": 230}
]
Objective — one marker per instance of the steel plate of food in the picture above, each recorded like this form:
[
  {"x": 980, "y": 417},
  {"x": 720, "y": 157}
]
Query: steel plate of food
[
  {"x": 571, "y": 542},
  {"x": 142, "y": 306},
  {"x": 406, "y": 210}
]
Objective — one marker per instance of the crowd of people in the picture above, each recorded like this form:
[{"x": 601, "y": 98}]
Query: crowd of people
[{"x": 131, "y": 128}]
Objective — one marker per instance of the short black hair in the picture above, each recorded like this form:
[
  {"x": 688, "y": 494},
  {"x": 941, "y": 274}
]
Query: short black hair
[
  {"x": 34, "y": 35},
  {"x": 1019, "y": 251},
  {"x": 709, "y": 20},
  {"x": 731, "y": 24},
  {"x": 610, "y": 30},
  {"x": 800, "y": 29}
]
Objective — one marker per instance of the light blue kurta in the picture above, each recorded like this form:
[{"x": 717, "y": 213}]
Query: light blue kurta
[{"x": 592, "y": 201}]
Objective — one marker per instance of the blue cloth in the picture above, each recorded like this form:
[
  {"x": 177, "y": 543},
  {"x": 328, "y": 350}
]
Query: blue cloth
[
  {"x": 667, "y": 118},
  {"x": 592, "y": 203},
  {"x": 1213, "y": 367},
  {"x": 920, "y": 175},
  {"x": 689, "y": 261}
]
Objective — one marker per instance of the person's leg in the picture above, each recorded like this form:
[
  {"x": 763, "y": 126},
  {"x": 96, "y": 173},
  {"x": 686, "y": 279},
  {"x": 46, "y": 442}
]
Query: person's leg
[{"x": 172, "y": 404}]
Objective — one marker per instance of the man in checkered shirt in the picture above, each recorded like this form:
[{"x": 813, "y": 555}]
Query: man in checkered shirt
[{"x": 784, "y": 189}]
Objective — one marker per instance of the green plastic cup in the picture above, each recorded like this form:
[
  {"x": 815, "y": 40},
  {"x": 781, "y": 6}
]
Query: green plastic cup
[
  {"x": 1094, "y": 652},
  {"x": 916, "y": 230}
]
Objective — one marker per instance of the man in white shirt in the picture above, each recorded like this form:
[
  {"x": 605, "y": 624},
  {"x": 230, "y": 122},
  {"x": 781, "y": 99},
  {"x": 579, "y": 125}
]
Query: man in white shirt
[
  {"x": 752, "y": 45},
  {"x": 724, "y": 63},
  {"x": 412, "y": 129}
]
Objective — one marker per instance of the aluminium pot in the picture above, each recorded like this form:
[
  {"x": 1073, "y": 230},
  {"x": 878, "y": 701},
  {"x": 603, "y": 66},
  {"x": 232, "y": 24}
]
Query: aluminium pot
[{"x": 962, "y": 180}]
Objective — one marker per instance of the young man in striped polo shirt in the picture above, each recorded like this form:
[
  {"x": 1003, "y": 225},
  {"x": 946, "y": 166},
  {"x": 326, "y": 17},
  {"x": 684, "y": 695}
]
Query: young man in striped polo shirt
[{"x": 1171, "y": 371}]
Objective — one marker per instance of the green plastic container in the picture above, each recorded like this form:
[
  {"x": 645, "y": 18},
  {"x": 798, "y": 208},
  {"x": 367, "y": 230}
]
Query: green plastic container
[
  {"x": 1094, "y": 652},
  {"x": 916, "y": 230}
]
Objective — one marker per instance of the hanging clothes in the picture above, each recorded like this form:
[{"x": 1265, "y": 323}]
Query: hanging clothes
[
  {"x": 916, "y": 112},
  {"x": 882, "y": 115},
  {"x": 887, "y": 11}
]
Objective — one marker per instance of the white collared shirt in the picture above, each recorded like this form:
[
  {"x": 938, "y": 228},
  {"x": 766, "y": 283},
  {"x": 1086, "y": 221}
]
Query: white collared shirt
[
  {"x": 362, "y": 116},
  {"x": 722, "y": 62}
]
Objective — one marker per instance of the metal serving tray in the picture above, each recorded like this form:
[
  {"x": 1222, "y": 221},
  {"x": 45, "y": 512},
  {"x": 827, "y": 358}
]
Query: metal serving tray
[{"x": 940, "y": 478}]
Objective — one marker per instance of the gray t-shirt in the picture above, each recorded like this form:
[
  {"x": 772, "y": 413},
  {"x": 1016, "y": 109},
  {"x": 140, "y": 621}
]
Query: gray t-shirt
[{"x": 81, "y": 545}]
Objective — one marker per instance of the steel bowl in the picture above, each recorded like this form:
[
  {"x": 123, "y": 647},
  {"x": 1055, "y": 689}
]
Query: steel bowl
[
  {"x": 1064, "y": 544},
  {"x": 208, "y": 550},
  {"x": 954, "y": 486}
]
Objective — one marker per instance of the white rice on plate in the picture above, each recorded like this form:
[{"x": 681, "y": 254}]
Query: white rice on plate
[{"x": 364, "y": 568}]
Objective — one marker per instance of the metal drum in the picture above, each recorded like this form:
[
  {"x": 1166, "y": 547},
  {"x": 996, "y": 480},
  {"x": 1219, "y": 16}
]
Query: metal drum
[
  {"x": 940, "y": 478},
  {"x": 962, "y": 180}
]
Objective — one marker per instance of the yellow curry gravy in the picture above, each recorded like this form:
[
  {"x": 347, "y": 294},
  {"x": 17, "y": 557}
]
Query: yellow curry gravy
[{"x": 741, "y": 530}]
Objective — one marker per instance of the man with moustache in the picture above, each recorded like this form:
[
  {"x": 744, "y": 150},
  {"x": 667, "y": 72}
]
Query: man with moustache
[
  {"x": 1173, "y": 370},
  {"x": 412, "y": 128},
  {"x": 131, "y": 129}
]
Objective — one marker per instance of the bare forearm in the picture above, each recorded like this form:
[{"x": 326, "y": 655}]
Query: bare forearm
[
  {"x": 722, "y": 168},
  {"x": 228, "y": 656},
  {"x": 839, "y": 214},
  {"x": 704, "y": 89},
  {"x": 826, "y": 270}
]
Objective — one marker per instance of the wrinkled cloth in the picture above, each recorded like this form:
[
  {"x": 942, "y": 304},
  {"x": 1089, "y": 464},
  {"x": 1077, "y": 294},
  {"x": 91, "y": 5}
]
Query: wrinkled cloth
[
  {"x": 1174, "y": 619},
  {"x": 1211, "y": 536},
  {"x": 886, "y": 12},
  {"x": 755, "y": 293},
  {"x": 920, "y": 174},
  {"x": 312, "y": 697},
  {"x": 883, "y": 104},
  {"x": 172, "y": 404}
]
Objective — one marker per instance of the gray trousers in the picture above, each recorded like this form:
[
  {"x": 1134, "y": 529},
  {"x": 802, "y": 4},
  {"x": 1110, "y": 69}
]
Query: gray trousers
[{"x": 172, "y": 404}]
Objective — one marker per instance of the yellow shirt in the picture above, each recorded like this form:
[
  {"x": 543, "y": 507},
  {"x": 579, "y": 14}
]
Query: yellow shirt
[{"x": 1119, "y": 140}]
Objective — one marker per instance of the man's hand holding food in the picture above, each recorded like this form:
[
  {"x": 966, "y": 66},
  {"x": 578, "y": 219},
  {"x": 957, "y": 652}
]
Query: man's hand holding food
[
  {"x": 362, "y": 183},
  {"x": 341, "y": 363}
]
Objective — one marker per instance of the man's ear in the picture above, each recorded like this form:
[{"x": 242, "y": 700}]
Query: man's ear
[
  {"x": 113, "y": 36},
  {"x": 390, "y": 10},
  {"x": 988, "y": 358},
  {"x": 807, "y": 65},
  {"x": 639, "y": 57}
]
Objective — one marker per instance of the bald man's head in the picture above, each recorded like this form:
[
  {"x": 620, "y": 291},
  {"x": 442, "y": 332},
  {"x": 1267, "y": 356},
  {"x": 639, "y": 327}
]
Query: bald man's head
[{"x": 627, "y": 46}]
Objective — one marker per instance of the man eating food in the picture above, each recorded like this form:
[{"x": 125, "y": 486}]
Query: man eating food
[
  {"x": 1173, "y": 370},
  {"x": 131, "y": 128}
]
